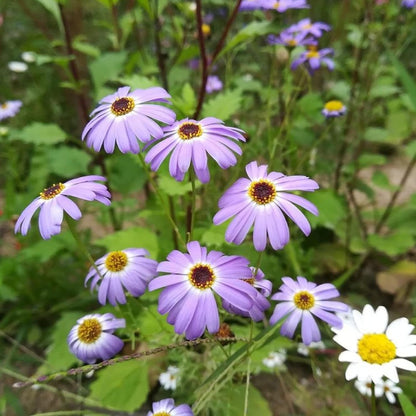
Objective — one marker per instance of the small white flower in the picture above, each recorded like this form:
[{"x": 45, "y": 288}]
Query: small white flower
[
  {"x": 375, "y": 349},
  {"x": 169, "y": 379},
  {"x": 29, "y": 56},
  {"x": 304, "y": 349},
  {"x": 17, "y": 66},
  {"x": 386, "y": 387},
  {"x": 275, "y": 359}
]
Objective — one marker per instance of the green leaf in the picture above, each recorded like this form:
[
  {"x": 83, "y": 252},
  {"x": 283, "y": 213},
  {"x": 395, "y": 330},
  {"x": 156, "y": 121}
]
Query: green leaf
[
  {"x": 172, "y": 187},
  {"x": 123, "y": 386},
  {"x": 393, "y": 244},
  {"x": 41, "y": 133},
  {"x": 407, "y": 406},
  {"x": 138, "y": 81},
  {"x": 53, "y": 7},
  {"x": 107, "y": 67},
  {"x": 133, "y": 237},
  {"x": 375, "y": 134},
  {"x": 86, "y": 48},
  {"x": 214, "y": 235},
  {"x": 187, "y": 103},
  {"x": 398, "y": 126},
  {"x": 368, "y": 159},
  {"x": 223, "y": 105},
  {"x": 67, "y": 161},
  {"x": 381, "y": 180}
]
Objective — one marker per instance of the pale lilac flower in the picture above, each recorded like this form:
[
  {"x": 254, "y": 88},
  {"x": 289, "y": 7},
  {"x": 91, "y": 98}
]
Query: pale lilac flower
[
  {"x": 128, "y": 269},
  {"x": 9, "y": 109},
  {"x": 291, "y": 39},
  {"x": 314, "y": 58},
  {"x": 283, "y": 5},
  {"x": 168, "y": 380},
  {"x": 166, "y": 407},
  {"x": 189, "y": 141},
  {"x": 53, "y": 201},
  {"x": 191, "y": 282},
  {"x": 302, "y": 300},
  {"x": 124, "y": 118},
  {"x": 248, "y": 5},
  {"x": 334, "y": 108},
  {"x": 92, "y": 338},
  {"x": 306, "y": 27},
  {"x": 261, "y": 201},
  {"x": 409, "y": 3},
  {"x": 213, "y": 84}
]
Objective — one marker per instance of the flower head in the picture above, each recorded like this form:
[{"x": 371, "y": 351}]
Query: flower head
[
  {"x": 92, "y": 338},
  {"x": 283, "y": 5},
  {"x": 314, "y": 58},
  {"x": 190, "y": 141},
  {"x": 17, "y": 66},
  {"x": 409, "y": 3},
  {"x": 213, "y": 84},
  {"x": 383, "y": 387},
  {"x": 300, "y": 302},
  {"x": 291, "y": 39},
  {"x": 191, "y": 282},
  {"x": 9, "y": 109},
  {"x": 261, "y": 201},
  {"x": 53, "y": 201},
  {"x": 248, "y": 5},
  {"x": 375, "y": 349},
  {"x": 169, "y": 379},
  {"x": 166, "y": 407},
  {"x": 29, "y": 56},
  {"x": 334, "y": 108},
  {"x": 303, "y": 349},
  {"x": 125, "y": 117},
  {"x": 275, "y": 359},
  {"x": 306, "y": 27},
  {"x": 127, "y": 268}
]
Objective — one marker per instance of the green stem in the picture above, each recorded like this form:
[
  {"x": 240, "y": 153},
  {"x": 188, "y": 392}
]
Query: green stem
[
  {"x": 191, "y": 210},
  {"x": 258, "y": 263},
  {"x": 291, "y": 254},
  {"x": 248, "y": 370},
  {"x": 373, "y": 400}
]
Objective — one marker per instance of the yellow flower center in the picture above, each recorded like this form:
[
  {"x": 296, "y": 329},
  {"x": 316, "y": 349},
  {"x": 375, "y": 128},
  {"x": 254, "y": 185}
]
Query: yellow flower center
[
  {"x": 306, "y": 26},
  {"x": 116, "y": 261},
  {"x": 304, "y": 300},
  {"x": 161, "y": 414},
  {"x": 201, "y": 276},
  {"x": 376, "y": 348},
  {"x": 89, "y": 331},
  {"x": 292, "y": 42},
  {"x": 4, "y": 105},
  {"x": 312, "y": 54},
  {"x": 122, "y": 106},
  {"x": 334, "y": 105},
  {"x": 262, "y": 191},
  {"x": 250, "y": 281},
  {"x": 276, "y": 5},
  {"x": 206, "y": 29},
  {"x": 189, "y": 130},
  {"x": 52, "y": 191}
]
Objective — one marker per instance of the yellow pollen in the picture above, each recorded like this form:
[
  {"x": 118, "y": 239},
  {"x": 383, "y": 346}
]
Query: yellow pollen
[
  {"x": 312, "y": 54},
  {"x": 116, "y": 261},
  {"x": 262, "y": 191},
  {"x": 4, "y": 105},
  {"x": 201, "y": 276},
  {"x": 276, "y": 5},
  {"x": 89, "y": 331},
  {"x": 122, "y": 106},
  {"x": 189, "y": 130},
  {"x": 376, "y": 349},
  {"x": 206, "y": 29},
  {"x": 52, "y": 191},
  {"x": 161, "y": 414},
  {"x": 250, "y": 281},
  {"x": 304, "y": 300},
  {"x": 334, "y": 105},
  {"x": 292, "y": 42}
]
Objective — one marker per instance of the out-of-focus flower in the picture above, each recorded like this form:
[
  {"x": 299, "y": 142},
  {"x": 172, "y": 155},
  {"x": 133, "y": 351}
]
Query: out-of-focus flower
[
  {"x": 191, "y": 282},
  {"x": 4, "y": 131},
  {"x": 283, "y": 5},
  {"x": 190, "y": 141},
  {"x": 213, "y": 84},
  {"x": 304, "y": 349},
  {"x": 248, "y": 5},
  {"x": 29, "y": 56},
  {"x": 169, "y": 379},
  {"x": 306, "y": 27},
  {"x": 375, "y": 349},
  {"x": 314, "y": 58},
  {"x": 17, "y": 66},
  {"x": 127, "y": 268},
  {"x": 9, "y": 109},
  {"x": 166, "y": 407},
  {"x": 334, "y": 108},
  {"x": 53, "y": 201},
  {"x": 125, "y": 117},
  {"x": 92, "y": 338},
  {"x": 261, "y": 201},
  {"x": 291, "y": 39},
  {"x": 386, "y": 387},
  {"x": 275, "y": 359},
  {"x": 206, "y": 29},
  {"x": 409, "y": 3},
  {"x": 300, "y": 302}
]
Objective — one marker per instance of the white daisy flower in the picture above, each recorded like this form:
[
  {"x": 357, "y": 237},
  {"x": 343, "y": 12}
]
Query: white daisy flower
[
  {"x": 386, "y": 387},
  {"x": 17, "y": 66},
  {"x": 304, "y": 349},
  {"x": 169, "y": 379},
  {"x": 375, "y": 349},
  {"x": 275, "y": 359},
  {"x": 29, "y": 56}
]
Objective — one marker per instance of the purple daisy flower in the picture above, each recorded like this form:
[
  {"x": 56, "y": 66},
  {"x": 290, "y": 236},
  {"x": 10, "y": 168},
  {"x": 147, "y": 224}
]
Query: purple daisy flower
[
  {"x": 301, "y": 300},
  {"x": 127, "y": 268},
  {"x": 261, "y": 201},
  {"x": 190, "y": 141},
  {"x": 334, "y": 108},
  {"x": 92, "y": 338},
  {"x": 9, "y": 109},
  {"x": 409, "y": 3},
  {"x": 213, "y": 84},
  {"x": 248, "y": 5},
  {"x": 192, "y": 279},
  {"x": 306, "y": 27},
  {"x": 283, "y": 5},
  {"x": 315, "y": 58},
  {"x": 260, "y": 303},
  {"x": 291, "y": 39},
  {"x": 53, "y": 201},
  {"x": 166, "y": 407},
  {"x": 124, "y": 117}
]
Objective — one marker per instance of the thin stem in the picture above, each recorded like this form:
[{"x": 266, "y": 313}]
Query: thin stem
[
  {"x": 191, "y": 208},
  {"x": 373, "y": 400},
  {"x": 248, "y": 370},
  {"x": 158, "y": 46},
  {"x": 117, "y": 29},
  {"x": 291, "y": 254}
]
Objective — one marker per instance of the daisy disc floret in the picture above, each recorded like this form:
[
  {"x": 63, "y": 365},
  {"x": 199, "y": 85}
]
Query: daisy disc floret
[
  {"x": 334, "y": 108},
  {"x": 306, "y": 27},
  {"x": 129, "y": 269},
  {"x": 314, "y": 59},
  {"x": 375, "y": 348},
  {"x": 53, "y": 201},
  {"x": 190, "y": 141},
  {"x": 283, "y": 5},
  {"x": 189, "y": 287},
  {"x": 125, "y": 118},
  {"x": 92, "y": 338},
  {"x": 9, "y": 109},
  {"x": 301, "y": 300},
  {"x": 166, "y": 407},
  {"x": 260, "y": 201}
]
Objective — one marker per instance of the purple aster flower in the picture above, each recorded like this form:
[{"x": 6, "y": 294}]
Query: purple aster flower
[
  {"x": 291, "y": 39},
  {"x": 334, "y": 108},
  {"x": 9, "y": 109},
  {"x": 192, "y": 279},
  {"x": 315, "y": 58},
  {"x": 306, "y": 27},
  {"x": 92, "y": 338},
  {"x": 124, "y": 117},
  {"x": 409, "y": 3},
  {"x": 301, "y": 300},
  {"x": 190, "y": 141},
  {"x": 166, "y": 407},
  {"x": 127, "y": 268},
  {"x": 53, "y": 201},
  {"x": 248, "y": 5},
  {"x": 260, "y": 303},
  {"x": 283, "y": 5},
  {"x": 213, "y": 84},
  {"x": 262, "y": 200}
]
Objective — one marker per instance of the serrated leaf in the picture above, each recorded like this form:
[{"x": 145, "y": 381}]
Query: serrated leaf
[
  {"x": 67, "y": 161},
  {"x": 223, "y": 105},
  {"x": 123, "y": 386},
  {"x": 41, "y": 133},
  {"x": 172, "y": 187},
  {"x": 136, "y": 81},
  {"x": 393, "y": 244},
  {"x": 187, "y": 103},
  {"x": 214, "y": 235},
  {"x": 107, "y": 67}
]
